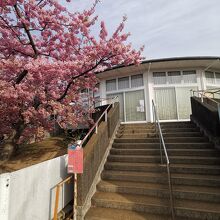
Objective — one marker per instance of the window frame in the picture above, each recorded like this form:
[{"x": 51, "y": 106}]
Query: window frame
[
  {"x": 130, "y": 88},
  {"x": 181, "y": 82}
]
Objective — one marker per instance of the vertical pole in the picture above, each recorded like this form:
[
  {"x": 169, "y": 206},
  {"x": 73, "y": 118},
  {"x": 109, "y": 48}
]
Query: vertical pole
[
  {"x": 171, "y": 192},
  {"x": 56, "y": 202},
  {"x": 161, "y": 156},
  {"x": 106, "y": 116},
  {"x": 75, "y": 197},
  {"x": 96, "y": 129}
]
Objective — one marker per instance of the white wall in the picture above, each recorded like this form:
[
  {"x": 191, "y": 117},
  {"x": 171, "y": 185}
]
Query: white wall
[{"x": 30, "y": 194}]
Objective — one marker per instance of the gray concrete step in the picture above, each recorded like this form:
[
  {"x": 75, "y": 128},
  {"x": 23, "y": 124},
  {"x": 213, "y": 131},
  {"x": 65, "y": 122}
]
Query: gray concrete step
[
  {"x": 153, "y": 135},
  {"x": 152, "y": 130},
  {"x": 157, "y": 167},
  {"x": 166, "y": 139},
  {"x": 199, "y": 193},
  {"x": 203, "y": 145},
  {"x": 151, "y": 177},
  {"x": 154, "y": 205},
  {"x": 100, "y": 213},
  {"x": 173, "y": 159},
  {"x": 171, "y": 152}
]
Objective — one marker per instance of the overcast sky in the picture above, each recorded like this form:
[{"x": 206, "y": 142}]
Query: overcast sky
[{"x": 167, "y": 28}]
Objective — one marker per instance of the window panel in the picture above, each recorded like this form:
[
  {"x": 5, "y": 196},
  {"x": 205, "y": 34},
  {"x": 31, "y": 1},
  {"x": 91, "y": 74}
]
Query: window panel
[
  {"x": 189, "y": 76},
  {"x": 165, "y": 99},
  {"x": 123, "y": 83},
  {"x": 137, "y": 81},
  {"x": 159, "y": 77},
  {"x": 121, "y": 103},
  {"x": 174, "y": 77},
  {"x": 135, "y": 106},
  {"x": 183, "y": 101},
  {"x": 217, "y": 76},
  {"x": 210, "y": 77},
  {"x": 111, "y": 85},
  {"x": 97, "y": 91}
]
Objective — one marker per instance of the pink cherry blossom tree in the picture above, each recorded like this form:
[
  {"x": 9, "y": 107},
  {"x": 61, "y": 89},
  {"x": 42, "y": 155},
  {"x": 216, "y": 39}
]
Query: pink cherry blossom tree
[{"x": 47, "y": 56}]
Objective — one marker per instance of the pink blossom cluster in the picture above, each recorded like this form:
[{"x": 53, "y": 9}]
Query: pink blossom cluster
[{"x": 48, "y": 55}]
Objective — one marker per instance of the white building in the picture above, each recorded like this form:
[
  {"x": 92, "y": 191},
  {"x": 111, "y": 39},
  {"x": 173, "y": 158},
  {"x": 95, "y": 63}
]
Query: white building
[{"x": 166, "y": 81}]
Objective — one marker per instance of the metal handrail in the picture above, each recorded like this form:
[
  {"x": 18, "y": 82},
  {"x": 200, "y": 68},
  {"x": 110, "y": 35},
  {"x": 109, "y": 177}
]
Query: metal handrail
[
  {"x": 162, "y": 143},
  {"x": 67, "y": 180},
  {"x": 95, "y": 126},
  {"x": 202, "y": 94}
]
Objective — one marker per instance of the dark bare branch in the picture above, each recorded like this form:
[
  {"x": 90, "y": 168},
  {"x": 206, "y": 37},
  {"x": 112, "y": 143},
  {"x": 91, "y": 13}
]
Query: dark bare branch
[
  {"x": 82, "y": 74},
  {"x": 21, "y": 76},
  {"x": 27, "y": 32}
]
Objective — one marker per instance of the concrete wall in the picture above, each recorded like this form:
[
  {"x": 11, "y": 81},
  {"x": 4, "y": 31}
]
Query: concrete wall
[{"x": 29, "y": 194}]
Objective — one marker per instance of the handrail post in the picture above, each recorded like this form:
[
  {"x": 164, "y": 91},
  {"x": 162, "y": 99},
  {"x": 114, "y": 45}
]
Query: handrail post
[
  {"x": 106, "y": 117},
  {"x": 171, "y": 192},
  {"x": 157, "y": 124},
  {"x": 56, "y": 202},
  {"x": 161, "y": 156}
]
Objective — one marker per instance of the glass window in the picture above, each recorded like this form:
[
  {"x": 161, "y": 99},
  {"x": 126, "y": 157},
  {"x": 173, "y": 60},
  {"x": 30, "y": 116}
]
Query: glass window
[
  {"x": 135, "y": 106},
  {"x": 137, "y": 80},
  {"x": 174, "y": 77},
  {"x": 159, "y": 77},
  {"x": 217, "y": 76},
  {"x": 210, "y": 77},
  {"x": 111, "y": 85},
  {"x": 121, "y": 103},
  {"x": 123, "y": 83},
  {"x": 165, "y": 99},
  {"x": 97, "y": 90},
  {"x": 84, "y": 91},
  {"x": 189, "y": 76}
]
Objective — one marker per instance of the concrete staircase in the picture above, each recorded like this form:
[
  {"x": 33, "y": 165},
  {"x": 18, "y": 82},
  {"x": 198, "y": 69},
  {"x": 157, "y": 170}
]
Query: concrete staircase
[{"x": 134, "y": 185}]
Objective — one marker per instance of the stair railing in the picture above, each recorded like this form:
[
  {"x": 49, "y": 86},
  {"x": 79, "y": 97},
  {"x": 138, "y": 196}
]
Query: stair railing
[
  {"x": 92, "y": 130},
  {"x": 204, "y": 94},
  {"x": 158, "y": 132}
]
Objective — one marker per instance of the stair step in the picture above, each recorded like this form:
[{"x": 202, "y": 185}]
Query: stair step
[
  {"x": 134, "y": 185},
  {"x": 161, "y": 190},
  {"x": 183, "y": 208},
  {"x": 150, "y": 177},
  {"x": 166, "y": 139},
  {"x": 168, "y": 145},
  {"x": 156, "y": 167},
  {"x": 163, "y": 125},
  {"x": 171, "y": 152},
  {"x": 152, "y": 130},
  {"x": 98, "y": 213},
  {"x": 173, "y": 159},
  {"x": 153, "y": 135}
]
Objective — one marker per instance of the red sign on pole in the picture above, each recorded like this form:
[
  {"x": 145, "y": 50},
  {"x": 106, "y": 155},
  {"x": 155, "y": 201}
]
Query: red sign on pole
[{"x": 75, "y": 160}]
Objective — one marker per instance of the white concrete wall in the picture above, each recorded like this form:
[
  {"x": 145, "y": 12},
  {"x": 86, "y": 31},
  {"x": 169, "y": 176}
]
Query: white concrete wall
[{"x": 30, "y": 194}]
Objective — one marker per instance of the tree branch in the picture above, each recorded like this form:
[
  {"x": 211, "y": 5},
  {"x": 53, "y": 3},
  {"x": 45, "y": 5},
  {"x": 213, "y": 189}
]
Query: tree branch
[
  {"x": 27, "y": 31},
  {"x": 21, "y": 76},
  {"x": 82, "y": 74}
]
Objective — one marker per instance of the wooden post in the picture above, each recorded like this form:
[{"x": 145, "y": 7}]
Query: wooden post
[{"x": 56, "y": 202}]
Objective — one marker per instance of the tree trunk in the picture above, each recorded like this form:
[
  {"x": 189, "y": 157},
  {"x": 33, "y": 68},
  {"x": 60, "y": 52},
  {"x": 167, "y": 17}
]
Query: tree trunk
[{"x": 10, "y": 146}]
